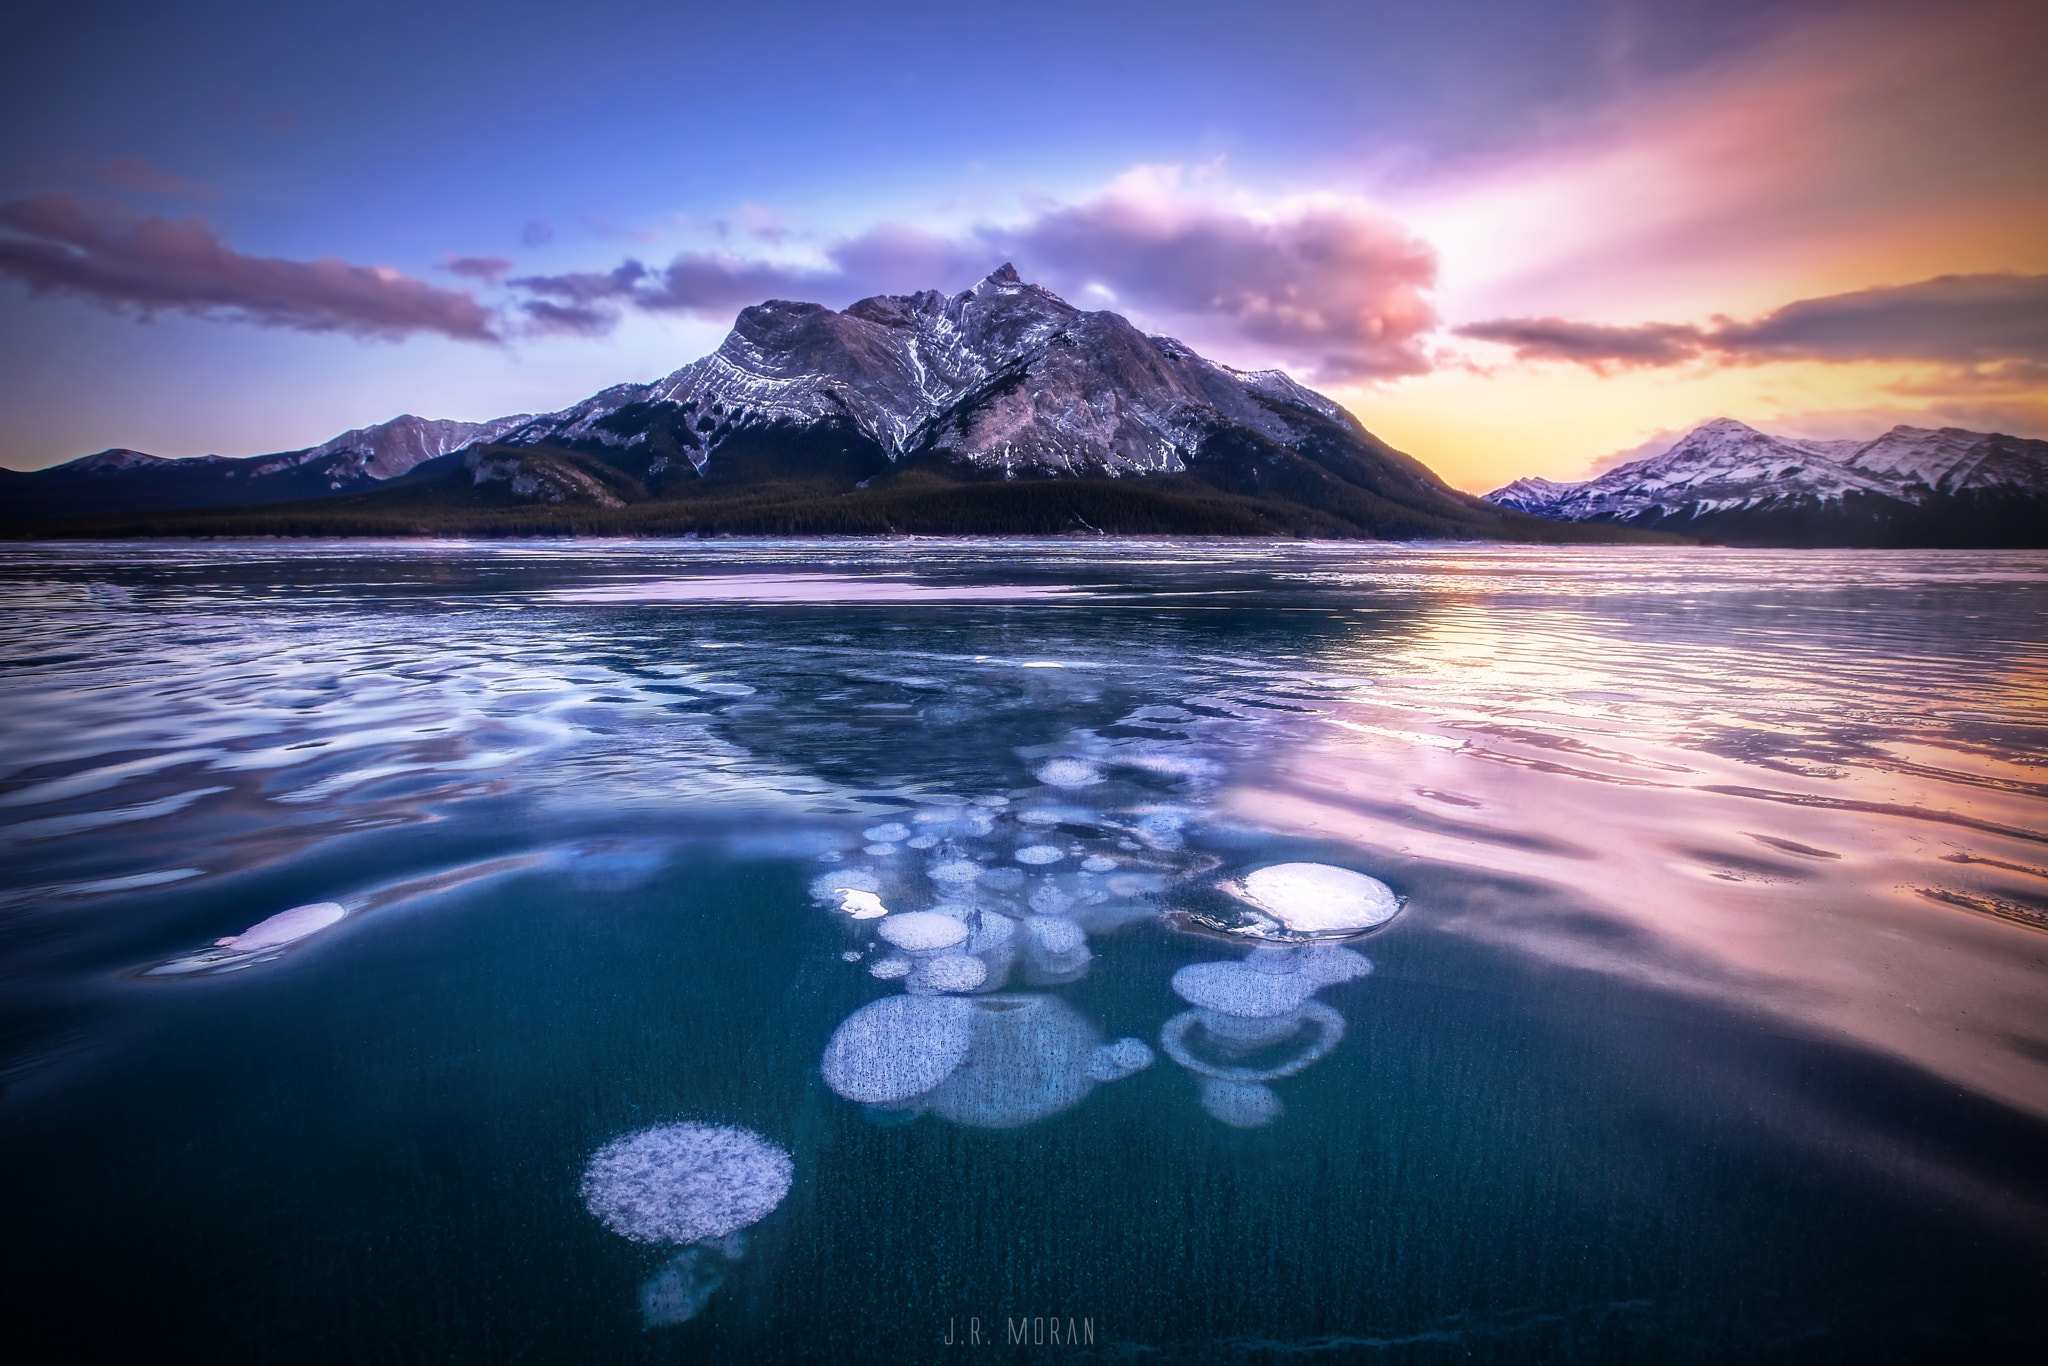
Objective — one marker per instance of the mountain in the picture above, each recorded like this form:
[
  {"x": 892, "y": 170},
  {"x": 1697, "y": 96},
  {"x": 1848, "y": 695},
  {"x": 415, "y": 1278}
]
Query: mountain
[
  {"x": 1001, "y": 409},
  {"x": 118, "y": 480},
  {"x": 1726, "y": 481}
]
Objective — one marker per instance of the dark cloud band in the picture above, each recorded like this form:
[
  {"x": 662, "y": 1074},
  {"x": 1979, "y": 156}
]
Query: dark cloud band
[
  {"x": 56, "y": 244},
  {"x": 1963, "y": 320}
]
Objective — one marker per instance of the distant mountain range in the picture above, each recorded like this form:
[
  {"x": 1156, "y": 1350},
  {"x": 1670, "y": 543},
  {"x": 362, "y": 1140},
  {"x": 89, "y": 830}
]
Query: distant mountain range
[
  {"x": 1000, "y": 409},
  {"x": 119, "y": 481},
  {"x": 1728, "y": 482}
]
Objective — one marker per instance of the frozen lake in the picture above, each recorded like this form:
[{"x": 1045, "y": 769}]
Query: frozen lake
[{"x": 356, "y": 896}]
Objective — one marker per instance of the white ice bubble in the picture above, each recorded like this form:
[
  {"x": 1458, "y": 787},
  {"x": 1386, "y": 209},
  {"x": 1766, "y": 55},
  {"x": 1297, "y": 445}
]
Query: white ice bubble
[
  {"x": 1317, "y": 898},
  {"x": 1329, "y": 964},
  {"x": 1069, "y": 773},
  {"x": 684, "y": 1285},
  {"x": 1240, "y": 1104},
  {"x": 1029, "y": 1059},
  {"x": 285, "y": 927},
  {"x": 949, "y": 972},
  {"x": 1041, "y": 816},
  {"x": 1055, "y": 934},
  {"x": 890, "y": 833},
  {"x": 922, "y": 841},
  {"x": 898, "y": 1047},
  {"x": 922, "y": 931},
  {"x": 1098, "y": 864},
  {"x": 1040, "y": 853},
  {"x": 1238, "y": 990},
  {"x": 955, "y": 871},
  {"x": 683, "y": 1183},
  {"x": 890, "y": 967},
  {"x": 1114, "y": 1061},
  {"x": 850, "y": 956},
  {"x": 878, "y": 850}
]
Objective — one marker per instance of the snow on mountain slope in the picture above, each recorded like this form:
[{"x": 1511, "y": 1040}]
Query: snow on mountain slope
[
  {"x": 1727, "y": 466},
  {"x": 1004, "y": 377}
]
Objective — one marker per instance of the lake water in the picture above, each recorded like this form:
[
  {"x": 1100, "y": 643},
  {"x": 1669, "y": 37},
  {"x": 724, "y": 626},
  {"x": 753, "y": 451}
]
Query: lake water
[{"x": 1715, "y": 1026}]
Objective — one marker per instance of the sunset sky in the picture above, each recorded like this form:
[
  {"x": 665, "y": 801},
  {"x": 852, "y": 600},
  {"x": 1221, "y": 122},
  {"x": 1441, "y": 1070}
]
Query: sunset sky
[{"x": 1513, "y": 238}]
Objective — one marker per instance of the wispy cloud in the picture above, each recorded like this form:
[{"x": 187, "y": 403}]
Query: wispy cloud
[
  {"x": 1953, "y": 320},
  {"x": 489, "y": 269},
  {"x": 147, "y": 265}
]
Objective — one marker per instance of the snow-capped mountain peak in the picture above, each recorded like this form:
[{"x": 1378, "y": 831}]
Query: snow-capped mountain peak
[{"x": 1727, "y": 469}]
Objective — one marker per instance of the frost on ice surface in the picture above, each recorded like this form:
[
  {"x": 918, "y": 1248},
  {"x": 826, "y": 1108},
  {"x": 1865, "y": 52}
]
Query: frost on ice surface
[{"x": 684, "y": 1183}]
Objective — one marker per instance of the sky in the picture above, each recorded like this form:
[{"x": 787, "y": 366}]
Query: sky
[{"x": 1513, "y": 238}]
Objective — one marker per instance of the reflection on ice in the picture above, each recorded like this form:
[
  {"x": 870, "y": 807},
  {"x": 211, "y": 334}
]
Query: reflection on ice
[{"x": 259, "y": 943}]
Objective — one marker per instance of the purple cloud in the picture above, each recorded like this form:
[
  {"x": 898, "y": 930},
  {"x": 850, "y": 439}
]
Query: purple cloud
[
  {"x": 489, "y": 269},
  {"x": 148, "y": 265},
  {"x": 1337, "y": 291},
  {"x": 1955, "y": 320},
  {"x": 1593, "y": 345}
]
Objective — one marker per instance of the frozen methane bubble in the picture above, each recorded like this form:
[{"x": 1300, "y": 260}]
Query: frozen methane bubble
[
  {"x": 684, "y": 1285},
  {"x": 1114, "y": 1061},
  {"x": 1029, "y": 1059},
  {"x": 683, "y": 1183},
  {"x": 878, "y": 850},
  {"x": 1316, "y": 898},
  {"x": 1240, "y": 1104},
  {"x": 922, "y": 931},
  {"x": 1040, "y": 853},
  {"x": 923, "y": 841},
  {"x": 956, "y": 871},
  {"x": 1328, "y": 964},
  {"x": 890, "y": 833},
  {"x": 1055, "y": 933},
  {"x": 949, "y": 972},
  {"x": 1237, "y": 990},
  {"x": 285, "y": 927},
  {"x": 898, "y": 1047},
  {"x": 890, "y": 967},
  {"x": 1098, "y": 864},
  {"x": 1069, "y": 773}
]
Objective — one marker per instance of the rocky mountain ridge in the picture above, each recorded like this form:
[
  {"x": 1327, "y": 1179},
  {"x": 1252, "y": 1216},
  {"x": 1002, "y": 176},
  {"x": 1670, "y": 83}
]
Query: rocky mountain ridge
[
  {"x": 1727, "y": 480},
  {"x": 119, "y": 480},
  {"x": 999, "y": 409}
]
